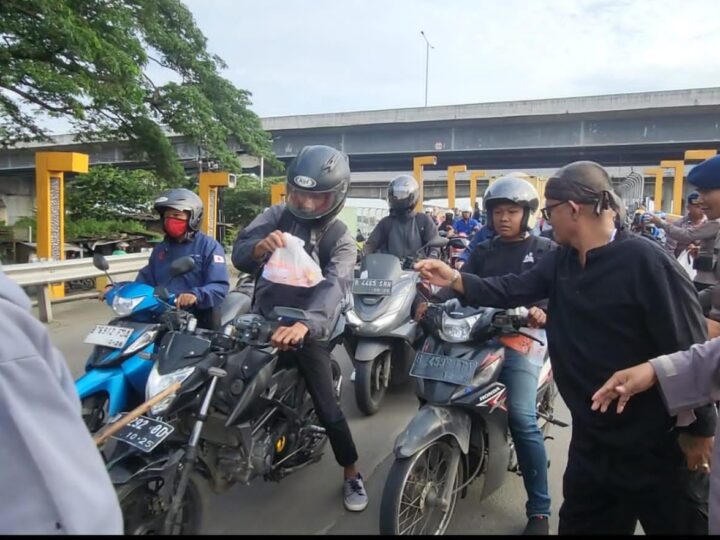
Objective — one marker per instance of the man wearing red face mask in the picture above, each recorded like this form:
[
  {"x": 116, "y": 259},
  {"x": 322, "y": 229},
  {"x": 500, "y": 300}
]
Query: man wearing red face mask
[{"x": 203, "y": 289}]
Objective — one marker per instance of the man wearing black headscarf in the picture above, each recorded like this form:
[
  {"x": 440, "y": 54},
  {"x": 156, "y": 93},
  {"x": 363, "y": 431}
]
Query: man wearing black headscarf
[{"x": 615, "y": 300}]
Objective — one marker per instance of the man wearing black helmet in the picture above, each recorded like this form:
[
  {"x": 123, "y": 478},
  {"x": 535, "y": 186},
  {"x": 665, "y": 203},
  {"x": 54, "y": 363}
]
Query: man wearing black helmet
[
  {"x": 203, "y": 289},
  {"x": 615, "y": 300},
  {"x": 318, "y": 180},
  {"x": 404, "y": 231}
]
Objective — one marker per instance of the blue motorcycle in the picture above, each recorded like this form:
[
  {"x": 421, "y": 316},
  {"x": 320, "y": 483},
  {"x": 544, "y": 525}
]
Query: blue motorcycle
[{"x": 118, "y": 367}]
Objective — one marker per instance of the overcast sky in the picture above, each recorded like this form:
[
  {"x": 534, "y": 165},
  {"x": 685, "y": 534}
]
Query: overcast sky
[{"x": 315, "y": 56}]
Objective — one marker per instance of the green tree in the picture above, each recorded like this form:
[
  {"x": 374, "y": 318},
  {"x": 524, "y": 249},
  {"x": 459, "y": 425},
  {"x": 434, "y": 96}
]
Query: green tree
[
  {"x": 107, "y": 193},
  {"x": 87, "y": 61},
  {"x": 247, "y": 200}
]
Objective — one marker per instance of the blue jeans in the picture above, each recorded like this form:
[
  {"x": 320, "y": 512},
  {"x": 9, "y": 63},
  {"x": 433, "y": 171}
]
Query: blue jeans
[{"x": 521, "y": 379}]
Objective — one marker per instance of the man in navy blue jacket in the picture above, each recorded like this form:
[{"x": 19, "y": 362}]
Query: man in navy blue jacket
[{"x": 203, "y": 289}]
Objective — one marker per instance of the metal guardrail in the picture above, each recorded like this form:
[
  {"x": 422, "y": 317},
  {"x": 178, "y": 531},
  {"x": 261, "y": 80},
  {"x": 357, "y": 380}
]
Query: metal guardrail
[{"x": 46, "y": 273}]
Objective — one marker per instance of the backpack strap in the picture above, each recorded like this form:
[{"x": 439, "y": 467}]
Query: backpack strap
[{"x": 328, "y": 240}]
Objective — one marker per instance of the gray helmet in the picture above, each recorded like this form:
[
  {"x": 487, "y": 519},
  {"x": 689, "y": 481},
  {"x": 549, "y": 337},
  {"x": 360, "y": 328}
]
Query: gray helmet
[
  {"x": 403, "y": 194},
  {"x": 184, "y": 200},
  {"x": 515, "y": 189},
  {"x": 321, "y": 174}
]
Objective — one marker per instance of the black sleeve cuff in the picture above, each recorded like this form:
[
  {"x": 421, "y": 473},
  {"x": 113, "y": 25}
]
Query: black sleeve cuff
[{"x": 704, "y": 424}]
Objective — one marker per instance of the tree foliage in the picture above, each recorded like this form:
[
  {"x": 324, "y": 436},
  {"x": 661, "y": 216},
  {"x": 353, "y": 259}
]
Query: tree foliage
[
  {"x": 247, "y": 200},
  {"x": 111, "y": 193},
  {"x": 89, "y": 61}
]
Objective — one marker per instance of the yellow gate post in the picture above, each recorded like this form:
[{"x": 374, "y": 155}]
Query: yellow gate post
[
  {"x": 699, "y": 155},
  {"x": 210, "y": 182},
  {"x": 50, "y": 169},
  {"x": 419, "y": 163},
  {"x": 277, "y": 192},
  {"x": 452, "y": 170},
  {"x": 473, "y": 185},
  {"x": 678, "y": 167},
  {"x": 659, "y": 173}
]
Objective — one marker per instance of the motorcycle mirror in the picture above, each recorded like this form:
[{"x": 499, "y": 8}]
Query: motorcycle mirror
[
  {"x": 181, "y": 266},
  {"x": 438, "y": 242},
  {"x": 457, "y": 243},
  {"x": 100, "y": 262},
  {"x": 162, "y": 293}
]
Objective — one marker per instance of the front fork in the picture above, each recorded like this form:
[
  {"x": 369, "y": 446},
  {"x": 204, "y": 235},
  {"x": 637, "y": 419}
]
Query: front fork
[
  {"x": 192, "y": 451},
  {"x": 444, "y": 502}
]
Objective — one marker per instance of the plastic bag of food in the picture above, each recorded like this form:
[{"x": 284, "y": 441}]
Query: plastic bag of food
[{"x": 292, "y": 265}]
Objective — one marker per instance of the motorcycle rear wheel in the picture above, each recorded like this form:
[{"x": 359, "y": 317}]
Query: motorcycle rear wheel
[{"x": 412, "y": 491}]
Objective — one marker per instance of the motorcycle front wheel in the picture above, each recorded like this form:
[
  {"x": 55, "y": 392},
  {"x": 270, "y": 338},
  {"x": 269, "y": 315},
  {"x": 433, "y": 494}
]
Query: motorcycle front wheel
[
  {"x": 411, "y": 497},
  {"x": 144, "y": 511},
  {"x": 371, "y": 382}
]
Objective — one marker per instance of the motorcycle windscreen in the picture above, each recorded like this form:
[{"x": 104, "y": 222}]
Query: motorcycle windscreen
[
  {"x": 380, "y": 266},
  {"x": 178, "y": 350}
]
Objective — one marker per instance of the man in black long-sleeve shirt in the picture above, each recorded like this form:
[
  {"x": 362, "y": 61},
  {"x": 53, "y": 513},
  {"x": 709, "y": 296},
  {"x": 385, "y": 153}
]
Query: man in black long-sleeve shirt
[{"x": 615, "y": 299}]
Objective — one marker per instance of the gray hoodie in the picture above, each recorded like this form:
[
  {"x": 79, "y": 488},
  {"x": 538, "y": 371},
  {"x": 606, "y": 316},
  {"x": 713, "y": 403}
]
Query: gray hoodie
[{"x": 52, "y": 477}]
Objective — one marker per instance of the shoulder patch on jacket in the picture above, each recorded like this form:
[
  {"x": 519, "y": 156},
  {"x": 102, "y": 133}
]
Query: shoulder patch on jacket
[{"x": 218, "y": 259}]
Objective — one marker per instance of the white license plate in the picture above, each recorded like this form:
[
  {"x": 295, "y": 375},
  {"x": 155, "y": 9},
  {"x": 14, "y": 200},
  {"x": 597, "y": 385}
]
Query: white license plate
[
  {"x": 144, "y": 433},
  {"x": 109, "y": 336}
]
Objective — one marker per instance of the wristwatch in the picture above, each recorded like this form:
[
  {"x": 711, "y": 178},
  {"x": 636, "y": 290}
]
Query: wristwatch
[{"x": 456, "y": 276}]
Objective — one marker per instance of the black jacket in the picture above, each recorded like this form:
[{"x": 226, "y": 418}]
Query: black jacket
[{"x": 632, "y": 302}]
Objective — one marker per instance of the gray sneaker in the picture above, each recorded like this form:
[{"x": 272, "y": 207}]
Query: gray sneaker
[{"x": 354, "y": 494}]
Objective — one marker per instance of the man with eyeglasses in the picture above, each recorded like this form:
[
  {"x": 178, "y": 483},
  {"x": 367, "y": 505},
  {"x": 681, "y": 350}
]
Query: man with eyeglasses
[{"x": 615, "y": 300}]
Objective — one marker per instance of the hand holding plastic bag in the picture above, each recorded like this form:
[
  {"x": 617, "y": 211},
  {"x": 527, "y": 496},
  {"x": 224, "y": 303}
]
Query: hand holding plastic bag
[
  {"x": 686, "y": 261},
  {"x": 291, "y": 265}
]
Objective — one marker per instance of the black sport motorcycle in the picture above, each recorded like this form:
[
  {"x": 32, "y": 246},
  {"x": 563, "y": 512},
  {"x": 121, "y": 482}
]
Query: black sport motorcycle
[{"x": 240, "y": 413}]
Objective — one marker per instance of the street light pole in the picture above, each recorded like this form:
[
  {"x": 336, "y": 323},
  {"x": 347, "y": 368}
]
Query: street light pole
[{"x": 427, "y": 62}]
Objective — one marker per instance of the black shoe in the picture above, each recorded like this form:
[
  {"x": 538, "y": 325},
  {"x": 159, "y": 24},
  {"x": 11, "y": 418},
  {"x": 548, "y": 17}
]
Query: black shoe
[{"x": 537, "y": 526}]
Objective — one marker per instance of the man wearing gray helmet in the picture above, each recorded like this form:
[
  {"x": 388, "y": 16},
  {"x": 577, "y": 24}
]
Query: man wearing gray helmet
[{"x": 615, "y": 300}]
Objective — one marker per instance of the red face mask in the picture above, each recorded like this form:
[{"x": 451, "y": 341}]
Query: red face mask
[{"x": 175, "y": 228}]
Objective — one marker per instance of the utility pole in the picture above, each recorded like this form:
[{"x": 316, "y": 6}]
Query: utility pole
[{"x": 427, "y": 62}]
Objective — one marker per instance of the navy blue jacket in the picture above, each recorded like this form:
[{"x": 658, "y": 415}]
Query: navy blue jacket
[
  {"x": 209, "y": 280},
  {"x": 486, "y": 233}
]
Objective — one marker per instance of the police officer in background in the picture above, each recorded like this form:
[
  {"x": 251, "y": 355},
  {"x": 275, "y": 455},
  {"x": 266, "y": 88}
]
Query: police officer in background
[{"x": 318, "y": 180}]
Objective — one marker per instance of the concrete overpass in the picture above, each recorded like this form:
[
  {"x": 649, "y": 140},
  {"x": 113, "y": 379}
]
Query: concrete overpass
[{"x": 623, "y": 131}]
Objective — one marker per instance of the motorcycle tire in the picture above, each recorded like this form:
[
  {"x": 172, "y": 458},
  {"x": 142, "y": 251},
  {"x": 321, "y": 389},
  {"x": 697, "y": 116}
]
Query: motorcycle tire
[
  {"x": 369, "y": 386},
  {"x": 398, "y": 481},
  {"x": 137, "y": 502}
]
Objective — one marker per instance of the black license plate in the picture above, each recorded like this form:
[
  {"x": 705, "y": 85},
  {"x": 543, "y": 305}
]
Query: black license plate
[
  {"x": 144, "y": 433},
  {"x": 443, "y": 368},
  {"x": 378, "y": 287}
]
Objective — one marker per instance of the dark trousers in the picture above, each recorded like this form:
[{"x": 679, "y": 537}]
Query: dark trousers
[
  {"x": 313, "y": 361},
  {"x": 607, "y": 492}
]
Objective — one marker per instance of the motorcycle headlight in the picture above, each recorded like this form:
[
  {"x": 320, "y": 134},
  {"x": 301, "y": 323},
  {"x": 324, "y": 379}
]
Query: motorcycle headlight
[
  {"x": 397, "y": 302},
  {"x": 125, "y": 306},
  {"x": 457, "y": 330},
  {"x": 143, "y": 341},
  {"x": 157, "y": 383}
]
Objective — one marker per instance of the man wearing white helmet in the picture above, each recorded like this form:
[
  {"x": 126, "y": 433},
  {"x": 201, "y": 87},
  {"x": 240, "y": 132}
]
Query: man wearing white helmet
[{"x": 466, "y": 224}]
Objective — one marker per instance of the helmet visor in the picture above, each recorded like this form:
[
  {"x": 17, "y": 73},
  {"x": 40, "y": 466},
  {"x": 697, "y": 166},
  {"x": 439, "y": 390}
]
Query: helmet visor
[{"x": 309, "y": 204}]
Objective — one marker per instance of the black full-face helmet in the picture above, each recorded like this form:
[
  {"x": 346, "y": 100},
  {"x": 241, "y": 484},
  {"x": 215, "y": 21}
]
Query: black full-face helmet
[
  {"x": 403, "y": 194},
  {"x": 318, "y": 180}
]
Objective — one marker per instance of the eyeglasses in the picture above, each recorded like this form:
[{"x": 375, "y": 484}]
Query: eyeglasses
[{"x": 547, "y": 211}]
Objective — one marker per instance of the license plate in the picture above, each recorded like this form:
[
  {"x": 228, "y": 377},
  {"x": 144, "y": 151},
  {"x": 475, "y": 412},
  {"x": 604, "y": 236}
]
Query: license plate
[
  {"x": 109, "y": 336},
  {"x": 443, "y": 368},
  {"x": 144, "y": 433},
  {"x": 378, "y": 287}
]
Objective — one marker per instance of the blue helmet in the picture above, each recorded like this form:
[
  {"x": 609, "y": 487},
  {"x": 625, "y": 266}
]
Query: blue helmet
[{"x": 706, "y": 175}]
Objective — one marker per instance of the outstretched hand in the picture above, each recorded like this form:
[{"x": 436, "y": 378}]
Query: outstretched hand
[{"x": 623, "y": 385}]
